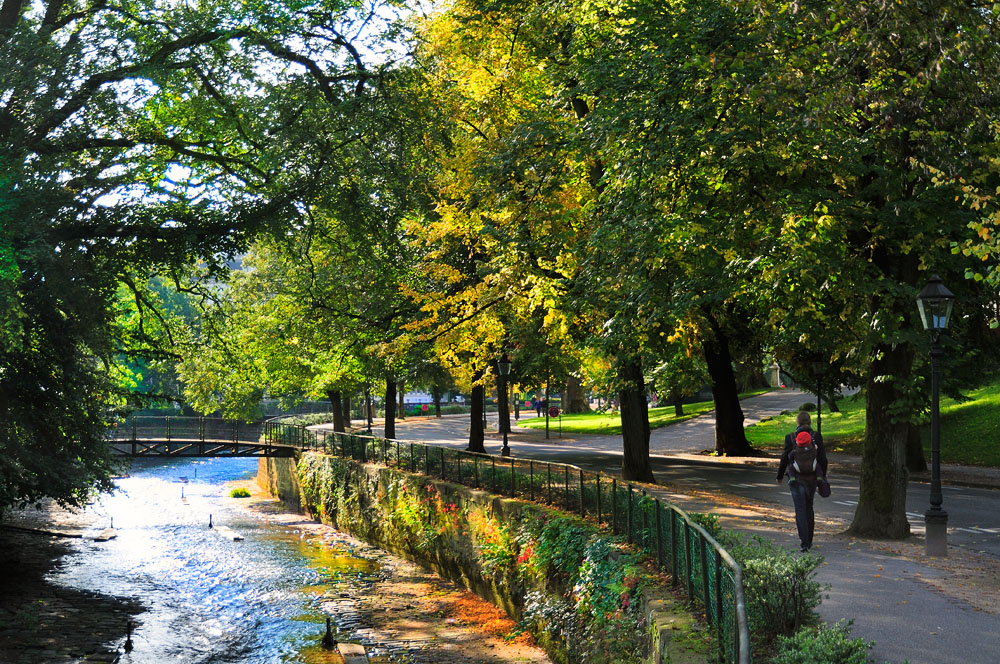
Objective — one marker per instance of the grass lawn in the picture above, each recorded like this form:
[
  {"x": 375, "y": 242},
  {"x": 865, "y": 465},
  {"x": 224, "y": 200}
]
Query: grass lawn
[
  {"x": 611, "y": 424},
  {"x": 970, "y": 430}
]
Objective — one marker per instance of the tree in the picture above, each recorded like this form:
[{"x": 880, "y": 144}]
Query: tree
[
  {"x": 682, "y": 370},
  {"x": 138, "y": 140}
]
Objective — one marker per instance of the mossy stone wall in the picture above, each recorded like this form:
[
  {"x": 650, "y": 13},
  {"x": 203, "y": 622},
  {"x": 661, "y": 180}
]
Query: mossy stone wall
[{"x": 583, "y": 595}]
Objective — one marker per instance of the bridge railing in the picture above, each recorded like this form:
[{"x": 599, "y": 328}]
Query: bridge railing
[
  {"x": 706, "y": 572},
  {"x": 170, "y": 428}
]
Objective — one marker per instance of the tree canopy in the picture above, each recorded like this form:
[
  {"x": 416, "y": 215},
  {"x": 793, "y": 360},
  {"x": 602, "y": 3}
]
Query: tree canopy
[{"x": 642, "y": 194}]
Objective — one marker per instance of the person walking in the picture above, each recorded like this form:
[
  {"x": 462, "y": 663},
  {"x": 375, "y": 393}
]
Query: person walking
[{"x": 805, "y": 460}]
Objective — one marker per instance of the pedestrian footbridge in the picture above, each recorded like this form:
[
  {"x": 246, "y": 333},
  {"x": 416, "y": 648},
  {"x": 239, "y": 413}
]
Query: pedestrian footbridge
[{"x": 168, "y": 436}]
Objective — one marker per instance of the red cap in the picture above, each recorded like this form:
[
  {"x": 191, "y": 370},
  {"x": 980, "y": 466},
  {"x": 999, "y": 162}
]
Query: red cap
[{"x": 803, "y": 439}]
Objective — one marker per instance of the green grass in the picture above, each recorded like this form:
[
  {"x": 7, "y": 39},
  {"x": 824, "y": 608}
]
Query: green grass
[
  {"x": 611, "y": 424},
  {"x": 842, "y": 432},
  {"x": 970, "y": 430}
]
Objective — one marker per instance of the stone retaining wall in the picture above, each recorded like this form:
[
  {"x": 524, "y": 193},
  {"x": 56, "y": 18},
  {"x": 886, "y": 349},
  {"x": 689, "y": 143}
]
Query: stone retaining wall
[{"x": 471, "y": 537}]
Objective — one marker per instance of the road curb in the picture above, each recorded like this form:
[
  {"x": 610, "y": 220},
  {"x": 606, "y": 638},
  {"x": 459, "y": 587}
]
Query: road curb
[{"x": 948, "y": 477}]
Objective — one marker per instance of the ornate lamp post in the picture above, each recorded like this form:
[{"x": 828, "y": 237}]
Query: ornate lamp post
[
  {"x": 504, "y": 366},
  {"x": 934, "y": 303}
]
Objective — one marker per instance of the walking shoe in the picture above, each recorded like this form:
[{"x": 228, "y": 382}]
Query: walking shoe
[{"x": 804, "y": 549}]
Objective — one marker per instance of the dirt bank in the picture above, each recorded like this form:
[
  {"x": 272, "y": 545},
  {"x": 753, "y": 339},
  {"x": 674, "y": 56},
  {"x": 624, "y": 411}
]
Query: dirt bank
[
  {"x": 42, "y": 622},
  {"x": 413, "y": 614}
]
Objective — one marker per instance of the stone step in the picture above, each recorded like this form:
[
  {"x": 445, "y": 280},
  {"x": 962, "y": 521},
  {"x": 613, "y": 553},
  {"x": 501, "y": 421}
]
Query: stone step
[
  {"x": 352, "y": 653},
  {"x": 105, "y": 535}
]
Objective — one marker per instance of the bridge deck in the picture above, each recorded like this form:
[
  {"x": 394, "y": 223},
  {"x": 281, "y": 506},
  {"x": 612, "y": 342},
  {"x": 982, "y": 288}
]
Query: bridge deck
[{"x": 180, "y": 447}]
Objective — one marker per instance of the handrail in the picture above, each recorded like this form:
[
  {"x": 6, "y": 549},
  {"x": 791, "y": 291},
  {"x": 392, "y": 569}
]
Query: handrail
[{"x": 704, "y": 576}]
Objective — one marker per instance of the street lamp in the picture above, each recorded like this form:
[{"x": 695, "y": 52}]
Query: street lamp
[
  {"x": 934, "y": 303},
  {"x": 504, "y": 366}
]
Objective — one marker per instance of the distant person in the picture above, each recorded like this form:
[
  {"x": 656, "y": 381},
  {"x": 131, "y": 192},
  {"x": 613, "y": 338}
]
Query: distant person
[
  {"x": 805, "y": 460},
  {"x": 537, "y": 403}
]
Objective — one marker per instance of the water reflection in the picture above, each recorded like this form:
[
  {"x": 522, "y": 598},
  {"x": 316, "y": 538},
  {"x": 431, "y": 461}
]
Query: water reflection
[{"x": 211, "y": 599}]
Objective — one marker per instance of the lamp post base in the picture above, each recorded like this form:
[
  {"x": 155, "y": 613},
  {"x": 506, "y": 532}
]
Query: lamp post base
[
  {"x": 936, "y": 522},
  {"x": 505, "y": 451}
]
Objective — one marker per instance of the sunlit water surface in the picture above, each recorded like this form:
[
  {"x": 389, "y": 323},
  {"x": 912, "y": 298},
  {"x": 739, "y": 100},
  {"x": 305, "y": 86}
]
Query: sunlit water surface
[{"x": 208, "y": 598}]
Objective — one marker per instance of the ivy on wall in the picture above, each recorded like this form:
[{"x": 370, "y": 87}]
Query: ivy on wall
[{"x": 576, "y": 588}]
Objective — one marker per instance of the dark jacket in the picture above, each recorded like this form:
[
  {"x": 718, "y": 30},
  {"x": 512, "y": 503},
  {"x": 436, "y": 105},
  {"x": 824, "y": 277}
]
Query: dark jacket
[{"x": 790, "y": 445}]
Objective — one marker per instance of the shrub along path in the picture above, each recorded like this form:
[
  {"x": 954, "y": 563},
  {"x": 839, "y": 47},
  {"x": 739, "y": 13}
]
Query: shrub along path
[{"x": 923, "y": 610}]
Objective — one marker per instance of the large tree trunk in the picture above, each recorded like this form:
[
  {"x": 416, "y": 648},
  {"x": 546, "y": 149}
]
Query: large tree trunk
[
  {"x": 347, "y": 411},
  {"x": 390, "y": 408},
  {"x": 635, "y": 423},
  {"x": 436, "y": 393},
  {"x": 916, "y": 462},
  {"x": 402, "y": 400},
  {"x": 338, "y": 410},
  {"x": 503, "y": 408},
  {"x": 730, "y": 439},
  {"x": 476, "y": 433},
  {"x": 576, "y": 401},
  {"x": 881, "y": 510}
]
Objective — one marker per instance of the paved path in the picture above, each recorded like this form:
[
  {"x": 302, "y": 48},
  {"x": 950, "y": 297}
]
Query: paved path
[{"x": 917, "y": 609}]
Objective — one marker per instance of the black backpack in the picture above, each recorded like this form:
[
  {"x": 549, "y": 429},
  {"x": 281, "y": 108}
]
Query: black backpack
[{"x": 805, "y": 460}]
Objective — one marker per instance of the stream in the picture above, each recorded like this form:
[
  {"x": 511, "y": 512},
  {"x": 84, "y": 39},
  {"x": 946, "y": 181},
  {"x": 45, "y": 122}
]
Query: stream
[{"x": 209, "y": 598}]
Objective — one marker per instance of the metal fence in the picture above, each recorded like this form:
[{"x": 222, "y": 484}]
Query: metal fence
[{"x": 710, "y": 577}]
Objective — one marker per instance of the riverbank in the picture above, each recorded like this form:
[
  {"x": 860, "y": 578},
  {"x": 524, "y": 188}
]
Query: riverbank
[
  {"x": 410, "y": 610},
  {"x": 44, "y": 622}
]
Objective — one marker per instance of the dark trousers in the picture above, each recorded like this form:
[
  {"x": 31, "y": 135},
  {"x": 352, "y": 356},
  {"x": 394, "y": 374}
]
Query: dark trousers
[{"x": 805, "y": 521}]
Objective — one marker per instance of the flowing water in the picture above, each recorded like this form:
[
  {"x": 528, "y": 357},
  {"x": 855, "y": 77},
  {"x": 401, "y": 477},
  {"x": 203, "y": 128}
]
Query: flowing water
[{"x": 208, "y": 598}]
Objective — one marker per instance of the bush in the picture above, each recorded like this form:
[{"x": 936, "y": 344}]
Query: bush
[
  {"x": 779, "y": 587},
  {"x": 239, "y": 493},
  {"x": 823, "y": 645},
  {"x": 710, "y": 522},
  {"x": 808, "y": 406}
]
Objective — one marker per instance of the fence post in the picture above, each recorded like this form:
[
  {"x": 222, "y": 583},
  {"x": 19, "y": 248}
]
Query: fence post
[
  {"x": 443, "y": 473},
  {"x": 583, "y": 510},
  {"x": 704, "y": 577},
  {"x": 598, "y": 478},
  {"x": 644, "y": 537},
  {"x": 659, "y": 534},
  {"x": 690, "y": 561},
  {"x": 718, "y": 604},
  {"x": 548, "y": 485},
  {"x": 531, "y": 479},
  {"x": 673, "y": 546},
  {"x": 628, "y": 517},
  {"x": 493, "y": 473},
  {"x": 133, "y": 431},
  {"x": 427, "y": 461},
  {"x": 736, "y": 635},
  {"x": 614, "y": 506},
  {"x": 167, "y": 419},
  {"x": 413, "y": 459},
  {"x": 566, "y": 488},
  {"x": 513, "y": 480},
  {"x": 475, "y": 469}
]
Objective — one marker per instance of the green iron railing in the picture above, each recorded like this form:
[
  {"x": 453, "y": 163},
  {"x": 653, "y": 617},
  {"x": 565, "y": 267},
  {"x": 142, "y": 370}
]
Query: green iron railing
[{"x": 709, "y": 576}]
